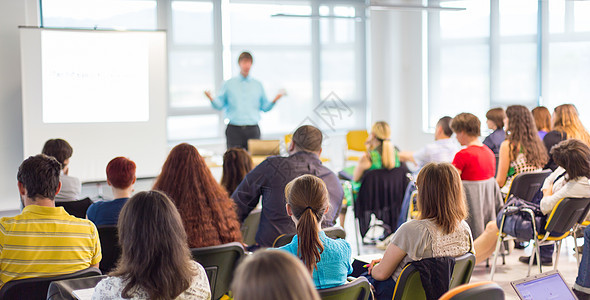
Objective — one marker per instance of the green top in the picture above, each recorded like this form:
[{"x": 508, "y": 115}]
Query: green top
[{"x": 376, "y": 164}]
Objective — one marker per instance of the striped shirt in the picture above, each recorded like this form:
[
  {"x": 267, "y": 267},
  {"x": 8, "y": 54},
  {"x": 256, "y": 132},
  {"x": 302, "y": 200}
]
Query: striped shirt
[{"x": 46, "y": 241}]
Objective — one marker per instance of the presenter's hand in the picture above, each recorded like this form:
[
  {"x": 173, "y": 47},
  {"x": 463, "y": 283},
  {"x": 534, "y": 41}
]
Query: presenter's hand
[
  {"x": 280, "y": 95},
  {"x": 208, "y": 94}
]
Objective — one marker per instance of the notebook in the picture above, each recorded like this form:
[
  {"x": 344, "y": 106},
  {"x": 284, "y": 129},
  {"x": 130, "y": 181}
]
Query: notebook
[
  {"x": 83, "y": 294},
  {"x": 545, "y": 286}
]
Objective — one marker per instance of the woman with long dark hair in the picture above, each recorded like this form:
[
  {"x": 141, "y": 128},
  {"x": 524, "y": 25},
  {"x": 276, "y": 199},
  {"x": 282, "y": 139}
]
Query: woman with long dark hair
[
  {"x": 522, "y": 151},
  {"x": 326, "y": 259},
  {"x": 155, "y": 259},
  {"x": 206, "y": 210},
  {"x": 237, "y": 162}
]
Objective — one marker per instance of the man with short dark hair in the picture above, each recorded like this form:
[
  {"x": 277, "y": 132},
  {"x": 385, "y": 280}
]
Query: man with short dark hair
[
  {"x": 70, "y": 186},
  {"x": 242, "y": 98},
  {"x": 272, "y": 175},
  {"x": 44, "y": 240},
  {"x": 442, "y": 150}
]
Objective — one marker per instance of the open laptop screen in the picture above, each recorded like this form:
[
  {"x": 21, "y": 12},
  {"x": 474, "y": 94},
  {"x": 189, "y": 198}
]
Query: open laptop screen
[{"x": 544, "y": 287}]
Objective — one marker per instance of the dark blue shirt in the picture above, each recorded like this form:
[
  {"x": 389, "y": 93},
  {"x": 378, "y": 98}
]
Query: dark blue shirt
[
  {"x": 495, "y": 139},
  {"x": 269, "y": 179},
  {"x": 105, "y": 212}
]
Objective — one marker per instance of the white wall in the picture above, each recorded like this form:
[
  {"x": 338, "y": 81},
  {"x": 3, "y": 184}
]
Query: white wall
[
  {"x": 396, "y": 75},
  {"x": 12, "y": 14}
]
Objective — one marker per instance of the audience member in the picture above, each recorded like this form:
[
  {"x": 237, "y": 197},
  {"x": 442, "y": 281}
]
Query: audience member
[
  {"x": 542, "y": 120},
  {"x": 495, "y": 121},
  {"x": 327, "y": 259},
  {"x": 208, "y": 214},
  {"x": 272, "y": 274},
  {"x": 56, "y": 243},
  {"x": 570, "y": 179},
  {"x": 443, "y": 149},
  {"x": 440, "y": 231},
  {"x": 582, "y": 284},
  {"x": 70, "y": 186},
  {"x": 120, "y": 177},
  {"x": 566, "y": 125},
  {"x": 271, "y": 176},
  {"x": 476, "y": 161},
  {"x": 237, "y": 162},
  {"x": 380, "y": 154},
  {"x": 155, "y": 259},
  {"x": 523, "y": 150}
]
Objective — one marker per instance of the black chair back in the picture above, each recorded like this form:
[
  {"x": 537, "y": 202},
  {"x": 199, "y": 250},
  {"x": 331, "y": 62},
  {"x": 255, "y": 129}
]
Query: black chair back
[
  {"x": 63, "y": 289},
  {"x": 463, "y": 269},
  {"x": 358, "y": 289},
  {"x": 283, "y": 240},
  {"x": 335, "y": 232},
  {"x": 566, "y": 214},
  {"x": 526, "y": 185},
  {"x": 36, "y": 288},
  {"x": 220, "y": 263},
  {"x": 109, "y": 244},
  {"x": 381, "y": 193},
  {"x": 76, "y": 208}
]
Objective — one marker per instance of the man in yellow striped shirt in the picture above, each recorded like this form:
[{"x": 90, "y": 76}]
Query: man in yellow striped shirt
[{"x": 44, "y": 240}]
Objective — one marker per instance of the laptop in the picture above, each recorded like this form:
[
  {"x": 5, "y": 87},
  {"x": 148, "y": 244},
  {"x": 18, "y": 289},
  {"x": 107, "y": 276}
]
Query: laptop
[{"x": 545, "y": 286}]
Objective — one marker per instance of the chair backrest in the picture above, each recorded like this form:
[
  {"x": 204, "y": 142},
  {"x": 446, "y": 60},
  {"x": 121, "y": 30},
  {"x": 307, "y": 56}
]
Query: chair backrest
[
  {"x": 409, "y": 285},
  {"x": 220, "y": 263},
  {"x": 250, "y": 227},
  {"x": 355, "y": 140},
  {"x": 526, "y": 185},
  {"x": 358, "y": 289},
  {"x": 36, "y": 288},
  {"x": 463, "y": 269},
  {"x": 413, "y": 208},
  {"x": 63, "y": 289},
  {"x": 335, "y": 232},
  {"x": 76, "y": 208},
  {"x": 485, "y": 290},
  {"x": 566, "y": 213},
  {"x": 109, "y": 245},
  {"x": 282, "y": 240}
]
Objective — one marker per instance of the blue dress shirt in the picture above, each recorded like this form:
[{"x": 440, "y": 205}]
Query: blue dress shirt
[
  {"x": 334, "y": 265},
  {"x": 242, "y": 99}
]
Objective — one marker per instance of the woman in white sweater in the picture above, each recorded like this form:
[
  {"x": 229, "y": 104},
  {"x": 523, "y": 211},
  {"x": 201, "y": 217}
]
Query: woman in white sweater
[{"x": 569, "y": 180}]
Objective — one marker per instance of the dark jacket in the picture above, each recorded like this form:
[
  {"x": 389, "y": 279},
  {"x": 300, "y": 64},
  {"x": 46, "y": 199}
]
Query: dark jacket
[
  {"x": 435, "y": 274},
  {"x": 269, "y": 180}
]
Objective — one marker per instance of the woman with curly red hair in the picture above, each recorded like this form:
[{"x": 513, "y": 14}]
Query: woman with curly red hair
[{"x": 206, "y": 210}]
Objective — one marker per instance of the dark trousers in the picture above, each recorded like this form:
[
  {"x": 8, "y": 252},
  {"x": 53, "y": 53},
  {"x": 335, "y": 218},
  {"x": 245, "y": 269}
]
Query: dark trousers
[{"x": 238, "y": 136}]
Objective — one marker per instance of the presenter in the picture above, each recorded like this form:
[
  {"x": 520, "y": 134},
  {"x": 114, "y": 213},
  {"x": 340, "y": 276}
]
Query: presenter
[{"x": 242, "y": 98}]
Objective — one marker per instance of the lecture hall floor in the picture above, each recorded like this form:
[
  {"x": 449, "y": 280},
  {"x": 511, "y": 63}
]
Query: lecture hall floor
[{"x": 513, "y": 270}]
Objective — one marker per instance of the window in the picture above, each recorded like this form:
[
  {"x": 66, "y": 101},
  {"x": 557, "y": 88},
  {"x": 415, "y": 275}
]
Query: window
[
  {"x": 459, "y": 64},
  {"x": 311, "y": 58},
  {"x": 102, "y": 14},
  {"x": 491, "y": 55}
]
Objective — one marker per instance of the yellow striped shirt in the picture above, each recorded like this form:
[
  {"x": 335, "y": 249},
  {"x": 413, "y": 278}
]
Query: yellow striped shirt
[{"x": 46, "y": 241}]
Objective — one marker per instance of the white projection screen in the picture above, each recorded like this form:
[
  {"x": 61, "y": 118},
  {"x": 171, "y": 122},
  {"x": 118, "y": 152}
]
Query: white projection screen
[{"x": 105, "y": 92}]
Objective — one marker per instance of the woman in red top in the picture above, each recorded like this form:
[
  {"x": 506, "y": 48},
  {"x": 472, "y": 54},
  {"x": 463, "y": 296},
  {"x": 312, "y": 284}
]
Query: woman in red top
[{"x": 476, "y": 161}]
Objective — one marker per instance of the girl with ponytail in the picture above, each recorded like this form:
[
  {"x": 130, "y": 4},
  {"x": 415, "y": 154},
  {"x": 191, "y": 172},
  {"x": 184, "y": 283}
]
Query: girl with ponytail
[{"x": 307, "y": 202}]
